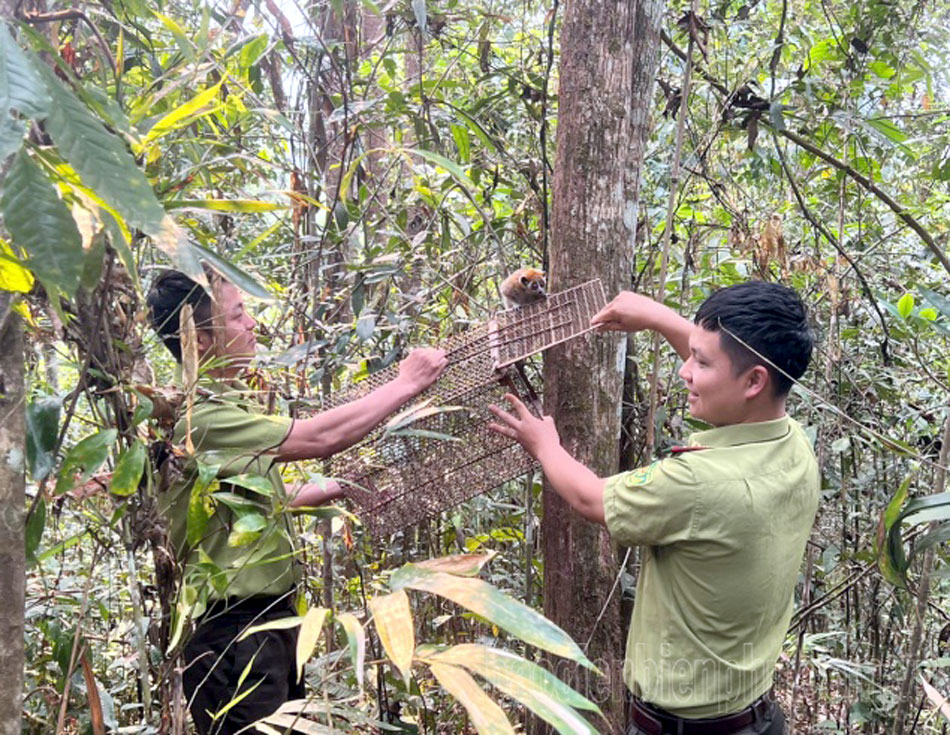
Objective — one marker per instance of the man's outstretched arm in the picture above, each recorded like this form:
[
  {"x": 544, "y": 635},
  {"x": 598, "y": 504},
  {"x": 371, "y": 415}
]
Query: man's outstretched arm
[
  {"x": 631, "y": 312},
  {"x": 339, "y": 428},
  {"x": 580, "y": 488}
]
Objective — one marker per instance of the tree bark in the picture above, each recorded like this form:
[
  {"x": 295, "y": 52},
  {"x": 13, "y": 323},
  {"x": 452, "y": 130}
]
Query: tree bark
[
  {"x": 609, "y": 57},
  {"x": 12, "y": 500}
]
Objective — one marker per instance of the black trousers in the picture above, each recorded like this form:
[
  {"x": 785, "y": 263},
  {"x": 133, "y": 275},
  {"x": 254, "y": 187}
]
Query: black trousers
[
  {"x": 772, "y": 724},
  {"x": 215, "y": 662}
]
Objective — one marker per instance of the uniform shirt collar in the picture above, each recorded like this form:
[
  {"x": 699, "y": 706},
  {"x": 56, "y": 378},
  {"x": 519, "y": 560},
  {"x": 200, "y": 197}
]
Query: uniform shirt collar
[{"x": 737, "y": 434}]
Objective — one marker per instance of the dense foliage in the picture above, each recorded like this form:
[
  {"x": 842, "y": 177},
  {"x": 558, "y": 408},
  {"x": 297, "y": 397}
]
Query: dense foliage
[{"x": 368, "y": 173}]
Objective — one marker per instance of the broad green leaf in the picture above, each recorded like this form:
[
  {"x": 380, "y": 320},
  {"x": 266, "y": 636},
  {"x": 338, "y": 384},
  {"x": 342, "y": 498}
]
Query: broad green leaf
[
  {"x": 820, "y": 51},
  {"x": 486, "y": 716},
  {"x": 940, "y": 535},
  {"x": 462, "y": 141},
  {"x": 101, "y": 160},
  {"x": 540, "y": 691},
  {"x": 310, "y": 628},
  {"x": 365, "y": 326},
  {"x": 12, "y": 133},
  {"x": 143, "y": 408},
  {"x": 279, "y": 624},
  {"x": 13, "y": 276},
  {"x": 34, "y": 530},
  {"x": 905, "y": 305},
  {"x": 254, "y": 483},
  {"x": 200, "y": 507},
  {"x": 128, "y": 470},
  {"x": 882, "y": 69},
  {"x": 480, "y": 597},
  {"x": 226, "y": 205},
  {"x": 464, "y": 565},
  {"x": 183, "y": 114},
  {"x": 41, "y": 225},
  {"x": 250, "y": 523},
  {"x": 939, "y": 301},
  {"x": 233, "y": 274},
  {"x": 394, "y": 624},
  {"x": 21, "y": 88},
  {"x": 888, "y": 129},
  {"x": 88, "y": 456},
  {"x": 356, "y": 642},
  {"x": 894, "y": 507},
  {"x": 42, "y": 430}
]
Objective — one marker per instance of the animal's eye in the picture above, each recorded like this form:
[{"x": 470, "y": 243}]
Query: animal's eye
[{"x": 524, "y": 280}]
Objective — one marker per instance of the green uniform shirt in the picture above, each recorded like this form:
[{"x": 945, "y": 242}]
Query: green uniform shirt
[
  {"x": 723, "y": 531},
  {"x": 229, "y": 430}
]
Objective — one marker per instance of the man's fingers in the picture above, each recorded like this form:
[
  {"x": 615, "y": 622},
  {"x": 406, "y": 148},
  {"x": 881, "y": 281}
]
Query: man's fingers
[
  {"x": 506, "y": 417},
  {"x": 503, "y": 430},
  {"x": 517, "y": 405}
]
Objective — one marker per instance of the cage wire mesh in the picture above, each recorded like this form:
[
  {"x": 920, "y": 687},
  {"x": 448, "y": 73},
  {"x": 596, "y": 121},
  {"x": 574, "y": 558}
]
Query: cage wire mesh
[{"x": 439, "y": 451}]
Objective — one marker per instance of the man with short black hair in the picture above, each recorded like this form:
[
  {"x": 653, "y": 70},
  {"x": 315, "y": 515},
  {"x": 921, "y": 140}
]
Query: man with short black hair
[
  {"x": 722, "y": 523},
  {"x": 245, "y": 571}
]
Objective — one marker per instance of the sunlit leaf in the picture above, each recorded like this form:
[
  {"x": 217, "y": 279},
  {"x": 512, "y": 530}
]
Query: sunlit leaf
[
  {"x": 13, "y": 276},
  {"x": 183, "y": 114},
  {"x": 486, "y": 716},
  {"x": 41, "y": 224},
  {"x": 394, "y": 624},
  {"x": 356, "y": 642},
  {"x": 310, "y": 628},
  {"x": 225, "y": 205},
  {"x": 905, "y": 305},
  {"x": 480, "y": 597},
  {"x": 453, "y": 168},
  {"x": 128, "y": 470},
  {"x": 279, "y": 624},
  {"x": 543, "y": 693}
]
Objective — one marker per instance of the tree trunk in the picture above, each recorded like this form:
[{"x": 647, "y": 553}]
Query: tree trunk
[
  {"x": 609, "y": 57},
  {"x": 12, "y": 488}
]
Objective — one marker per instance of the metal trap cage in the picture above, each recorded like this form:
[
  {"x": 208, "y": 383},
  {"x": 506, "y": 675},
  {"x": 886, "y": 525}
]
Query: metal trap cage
[{"x": 438, "y": 451}]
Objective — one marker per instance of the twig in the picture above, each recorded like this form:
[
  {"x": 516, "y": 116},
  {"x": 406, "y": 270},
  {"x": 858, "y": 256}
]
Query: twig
[{"x": 60, "y": 15}]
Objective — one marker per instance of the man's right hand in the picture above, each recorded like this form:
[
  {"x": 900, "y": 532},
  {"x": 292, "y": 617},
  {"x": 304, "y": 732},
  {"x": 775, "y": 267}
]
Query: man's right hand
[
  {"x": 422, "y": 367},
  {"x": 629, "y": 312}
]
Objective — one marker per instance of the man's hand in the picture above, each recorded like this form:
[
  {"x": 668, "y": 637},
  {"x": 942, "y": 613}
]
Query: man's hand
[
  {"x": 629, "y": 312},
  {"x": 422, "y": 367},
  {"x": 534, "y": 434}
]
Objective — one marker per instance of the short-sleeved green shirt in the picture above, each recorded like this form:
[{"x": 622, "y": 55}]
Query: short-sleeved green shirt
[
  {"x": 723, "y": 531},
  {"x": 229, "y": 430}
]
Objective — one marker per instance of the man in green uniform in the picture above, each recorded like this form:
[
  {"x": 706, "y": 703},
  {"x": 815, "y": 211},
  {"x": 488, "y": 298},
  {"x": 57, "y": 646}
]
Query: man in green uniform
[
  {"x": 240, "y": 569},
  {"x": 722, "y": 523}
]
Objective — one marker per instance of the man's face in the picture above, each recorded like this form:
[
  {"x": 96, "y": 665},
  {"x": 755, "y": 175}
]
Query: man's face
[
  {"x": 717, "y": 394},
  {"x": 232, "y": 336}
]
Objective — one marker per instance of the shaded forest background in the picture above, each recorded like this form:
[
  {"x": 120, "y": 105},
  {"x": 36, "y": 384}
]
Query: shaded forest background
[{"x": 370, "y": 172}]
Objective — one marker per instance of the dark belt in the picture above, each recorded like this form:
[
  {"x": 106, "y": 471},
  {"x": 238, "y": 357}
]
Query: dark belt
[
  {"x": 249, "y": 606},
  {"x": 655, "y": 721}
]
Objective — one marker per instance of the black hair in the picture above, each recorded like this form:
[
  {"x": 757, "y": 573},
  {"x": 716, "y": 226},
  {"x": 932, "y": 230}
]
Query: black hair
[
  {"x": 169, "y": 292},
  {"x": 771, "y": 320}
]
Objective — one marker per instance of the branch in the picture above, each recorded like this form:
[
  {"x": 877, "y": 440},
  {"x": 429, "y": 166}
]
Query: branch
[
  {"x": 59, "y": 15},
  {"x": 895, "y": 207}
]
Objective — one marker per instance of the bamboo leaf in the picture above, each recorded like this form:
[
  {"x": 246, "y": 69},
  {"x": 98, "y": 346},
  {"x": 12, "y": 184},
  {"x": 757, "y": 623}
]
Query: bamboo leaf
[
  {"x": 310, "y": 628},
  {"x": 226, "y": 205},
  {"x": 465, "y": 565},
  {"x": 279, "y": 624},
  {"x": 128, "y": 470},
  {"x": 540, "y": 691},
  {"x": 183, "y": 114},
  {"x": 486, "y": 716},
  {"x": 41, "y": 225},
  {"x": 233, "y": 274},
  {"x": 939, "y": 701},
  {"x": 394, "y": 624},
  {"x": 356, "y": 641},
  {"x": 480, "y": 597},
  {"x": 453, "y": 168}
]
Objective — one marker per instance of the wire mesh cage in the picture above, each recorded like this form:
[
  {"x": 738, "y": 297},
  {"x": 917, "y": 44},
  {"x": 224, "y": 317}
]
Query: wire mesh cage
[{"x": 439, "y": 451}]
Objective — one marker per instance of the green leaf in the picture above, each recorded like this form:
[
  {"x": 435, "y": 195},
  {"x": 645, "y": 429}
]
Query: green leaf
[
  {"x": 128, "y": 470},
  {"x": 462, "y": 141},
  {"x": 88, "y": 456},
  {"x": 310, "y": 628},
  {"x": 12, "y": 133},
  {"x": 463, "y": 565},
  {"x": 185, "y": 44},
  {"x": 486, "y": 716},
  {"x": 939, "y": 301},
  {"x": 42, "y": 225},
  {"x": 905, "y": 306},
  {"x": 101, "y": 160},
  {"x": 356, "y": 642},
  {"x": 42, "y": 430},
  {"x": 480, "y": 597},
  {"x": 13, "y": 276},
  {"x": 888, "y": 129},
  {"x": 250, "y": 523},
  {"x": 279, "y": 624},
  {"x": 226, "y": 205},
  {"x": 34, "y": 530},
  {"x": 882, "y": 69},
  {"x": 453, "y": 168},
  {"x": 540, "y": 691},
  {"x": 894, "y": 507},
  {"x": 254, "y": 483},
  {"x": 200, "y": 507},
  {"x": 21, "y": 88},
  {"x": 143, "y": 408},
  {"x": 183, "y": 114},
  {"x": 365, "y": 326},
  {"x": 393, "y": 619},
  {"x": 234, "y": 274}
]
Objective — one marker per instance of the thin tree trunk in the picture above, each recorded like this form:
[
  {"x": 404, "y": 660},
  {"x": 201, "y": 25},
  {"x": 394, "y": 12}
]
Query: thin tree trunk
[
  {"x": 12, "y": 501},
  {"x": 609, "y": 56}
]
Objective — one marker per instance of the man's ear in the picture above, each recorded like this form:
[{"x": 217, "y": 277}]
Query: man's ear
[
  {"x": 757, "y": 381},
  {"x": 205, "y": 341}
]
